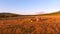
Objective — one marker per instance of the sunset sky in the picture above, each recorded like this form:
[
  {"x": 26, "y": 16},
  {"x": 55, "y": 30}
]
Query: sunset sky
[{"x": 29, "y": 6}]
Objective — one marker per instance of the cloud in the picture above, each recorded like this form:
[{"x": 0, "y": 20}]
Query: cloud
[{"x": 28, "y": 12}]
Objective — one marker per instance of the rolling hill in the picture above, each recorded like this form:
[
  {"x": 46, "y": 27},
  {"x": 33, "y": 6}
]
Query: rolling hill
[{"x": 4, "y": 15}]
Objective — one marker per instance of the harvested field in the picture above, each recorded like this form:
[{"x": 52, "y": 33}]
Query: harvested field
[{"x": 30, "y": 25}]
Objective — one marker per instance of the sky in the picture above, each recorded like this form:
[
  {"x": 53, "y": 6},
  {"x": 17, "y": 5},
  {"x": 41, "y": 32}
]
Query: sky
[{"x": 27, "y": 7}]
